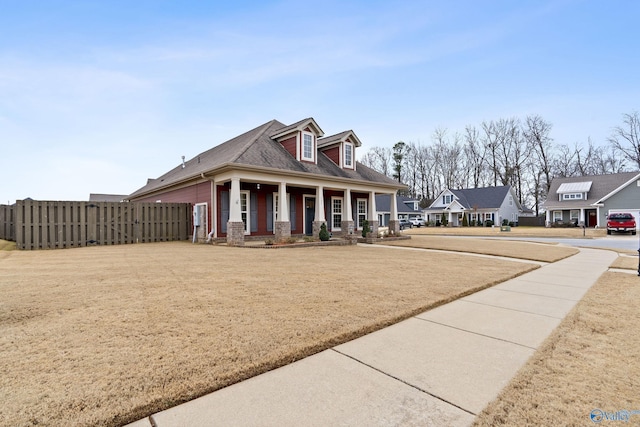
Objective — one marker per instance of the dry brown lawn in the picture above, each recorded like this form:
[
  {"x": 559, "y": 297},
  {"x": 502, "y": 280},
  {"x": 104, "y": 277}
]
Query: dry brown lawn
[
  {"x": 109, "y": 335},
  {"x": 507, "y": 248},
  {"x": 626, "y": 262},
  {"x": 590, "y": 362},
  {"x": 575, "y": 233}
]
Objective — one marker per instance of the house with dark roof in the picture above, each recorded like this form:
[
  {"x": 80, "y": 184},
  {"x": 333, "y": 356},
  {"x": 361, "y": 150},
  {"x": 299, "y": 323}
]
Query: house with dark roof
[
  {"x": 275, "y": 181},
  {"x": 589, "y": 200},
  {"x": 406, "y": 208},
  {"x": 479, "y": 205}
]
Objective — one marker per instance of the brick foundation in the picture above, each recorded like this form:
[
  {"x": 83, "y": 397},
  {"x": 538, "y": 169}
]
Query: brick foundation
[
  {"x": 235, "y": 233},
  {"x": 348, "y": 228},
  {"x": 282, "y": 230},
  {"x": 394, "y": 227}
]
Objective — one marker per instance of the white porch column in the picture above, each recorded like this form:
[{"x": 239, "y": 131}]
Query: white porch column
[
  {"x": 394, "y": 207},
  {"x": 373, "y": 214},
  {"x": 347, "y": 205},
  {"x": 581, "y": 220},
  {"x": 283, "y": 203},
  {"x": 394, "y": 224},
  {"x": 235, "y": 211},
  {"x": 320, "y": 204},
  {"x": 547, "y": 221},
  {"x": 235, "y": 225}
]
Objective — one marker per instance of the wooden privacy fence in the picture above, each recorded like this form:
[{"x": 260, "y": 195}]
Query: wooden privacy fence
[
  {"x": 53, "y": 225},
  {"x": 7, "y": 228}
]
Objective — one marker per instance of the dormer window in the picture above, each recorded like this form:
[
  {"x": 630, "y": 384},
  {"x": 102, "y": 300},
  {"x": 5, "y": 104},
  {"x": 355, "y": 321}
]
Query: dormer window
[
  {"x": 348, "y": 155},
  {"x": 572, "y": 196},
  {"x": 307, "y": 147},
  {"x": 447, "y": 198}
]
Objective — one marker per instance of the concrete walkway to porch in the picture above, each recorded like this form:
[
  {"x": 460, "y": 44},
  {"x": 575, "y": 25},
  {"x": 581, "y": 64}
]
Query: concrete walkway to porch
[{"x": 441, "y": 367}]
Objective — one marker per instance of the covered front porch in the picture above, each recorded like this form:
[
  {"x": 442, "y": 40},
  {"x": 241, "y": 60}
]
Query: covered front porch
[{"x": 248, "y": 207}]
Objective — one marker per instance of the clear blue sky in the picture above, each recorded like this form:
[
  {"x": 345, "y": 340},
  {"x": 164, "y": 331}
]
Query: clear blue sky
[{"x": 98, "y": 96}]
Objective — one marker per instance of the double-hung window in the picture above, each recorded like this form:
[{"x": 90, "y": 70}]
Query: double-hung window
[
  {"x": 244, "y": 210},
  {"x": 307, "y": 146},
  {"x": 336, "y": 213},
  {"x": 348, "y": 155},
  {"x": 362, "y": 212}
]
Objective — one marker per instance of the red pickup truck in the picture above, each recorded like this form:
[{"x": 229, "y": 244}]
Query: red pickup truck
[{"x": 621, "y": 222}]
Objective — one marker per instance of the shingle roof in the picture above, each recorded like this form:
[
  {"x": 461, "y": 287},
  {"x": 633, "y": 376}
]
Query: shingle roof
[
  {"x": 482, "y": 198},
  {"x": 328, "y": 140},
  {"x": 257, "y": 148},
  {"x": 601, "y": 186},
  {"x": 383, "y": 204}
]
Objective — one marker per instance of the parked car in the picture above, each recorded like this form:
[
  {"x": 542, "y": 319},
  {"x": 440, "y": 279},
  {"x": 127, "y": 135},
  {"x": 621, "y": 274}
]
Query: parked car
[
  {"x": 418, "y": 222},
  {"x": 404, "y": 223},
  {"x": 621, "y": 222}
]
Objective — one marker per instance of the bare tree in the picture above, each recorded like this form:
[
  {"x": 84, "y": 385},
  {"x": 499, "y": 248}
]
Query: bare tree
[
  {"x": 626, "y": 138},
  {"x": 379, "y": 159},
  {"x": 475, "y": 154},
  {"x": 537, "y": 132}
]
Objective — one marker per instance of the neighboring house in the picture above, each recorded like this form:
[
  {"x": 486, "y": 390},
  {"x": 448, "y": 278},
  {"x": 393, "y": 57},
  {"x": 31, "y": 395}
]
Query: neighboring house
[
  {"x": 276, "y": 180},
  {"x": 589, "y": 199},
  {"x": 95, "y": 197},
  {"x": 406, "y": 208},
  {"x": 478, "y": 204}
]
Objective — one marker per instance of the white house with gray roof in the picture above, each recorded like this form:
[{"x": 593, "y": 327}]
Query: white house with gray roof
[
  {"x": 589, "y": 200},
  {"x": 479, "y": 205}
]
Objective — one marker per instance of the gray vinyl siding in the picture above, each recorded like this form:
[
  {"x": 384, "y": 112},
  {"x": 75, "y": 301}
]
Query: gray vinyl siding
[{"x": 626, "y": 199}]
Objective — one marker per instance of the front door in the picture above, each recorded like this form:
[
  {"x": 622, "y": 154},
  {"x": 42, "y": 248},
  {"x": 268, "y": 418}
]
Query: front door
[
  {"x": 592, "y": 219},
  {"x": 309, "y": 214}
]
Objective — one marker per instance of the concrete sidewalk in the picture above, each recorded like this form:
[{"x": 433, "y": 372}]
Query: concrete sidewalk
[{"x": 441, "y": 367}]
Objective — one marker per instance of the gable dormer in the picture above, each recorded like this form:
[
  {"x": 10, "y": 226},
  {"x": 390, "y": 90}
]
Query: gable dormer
[
  {"x": 300, "y": 139},
  {"x": 341, "y": 148},
  {"x": 445, "y": 199}
]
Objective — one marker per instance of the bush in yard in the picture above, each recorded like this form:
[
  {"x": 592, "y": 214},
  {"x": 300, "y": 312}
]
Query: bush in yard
[
  {"x": 488, "y": 223},
  {"x": 324, "y": 234},
  {"x": 505, "y": 221},
  {"x": 365, "y": 228},
  {"x": 465, "y": 223},
  {"x": 445, "y": 221}
]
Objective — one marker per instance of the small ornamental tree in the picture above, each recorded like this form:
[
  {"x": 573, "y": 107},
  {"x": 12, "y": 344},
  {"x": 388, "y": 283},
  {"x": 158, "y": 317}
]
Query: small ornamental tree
[
  {"x": 465, "y": 223},
  {"x": 445, "y": 220},
  {"x": 324, "y": 234},
  {"x": 365, "y": 228}
]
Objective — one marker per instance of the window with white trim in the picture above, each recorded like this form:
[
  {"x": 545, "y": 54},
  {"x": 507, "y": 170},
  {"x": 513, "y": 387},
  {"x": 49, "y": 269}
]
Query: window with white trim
[
  {"x": 307, "y": 146},
  {"x": 348, "y": 155},
  {"x": 244, "y": 210},
  {"x": 362, "y": 212},
  {"x": 574, "y": 215},
  {"x": 557, "y": 216},
  {"x": 336, "y": 213},
  {"x": 572, "y": 196},
  {"x": 447, "y": 198}
]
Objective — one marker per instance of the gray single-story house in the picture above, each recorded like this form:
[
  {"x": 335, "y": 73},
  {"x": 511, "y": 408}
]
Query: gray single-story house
[
  {"x": 587, "y": 200},
  {"x": 478, "y": 204}
]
